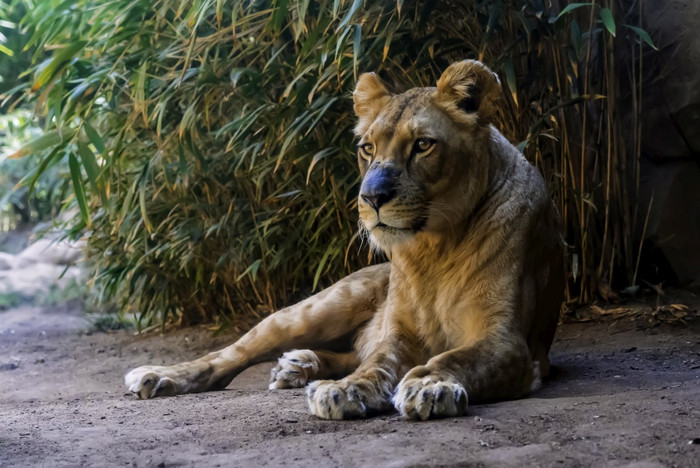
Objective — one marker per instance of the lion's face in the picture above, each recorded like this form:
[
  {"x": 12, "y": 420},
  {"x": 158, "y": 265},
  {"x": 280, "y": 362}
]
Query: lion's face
[{"x": 423, "y": 154}]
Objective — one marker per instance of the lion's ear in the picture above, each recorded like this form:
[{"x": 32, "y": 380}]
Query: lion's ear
[
  {"x": 471, "y": 87},
  {"x": 369, "y": 96}
]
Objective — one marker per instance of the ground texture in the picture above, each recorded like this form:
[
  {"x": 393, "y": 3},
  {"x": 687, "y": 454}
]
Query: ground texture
[{"x": 624, "y": 394}]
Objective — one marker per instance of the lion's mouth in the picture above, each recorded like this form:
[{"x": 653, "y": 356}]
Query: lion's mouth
[
  {"x": 381, "y": 225},
  {"x": 392, "y": 229}
]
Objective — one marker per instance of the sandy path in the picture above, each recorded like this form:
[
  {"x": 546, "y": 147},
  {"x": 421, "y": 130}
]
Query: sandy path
[{"x": 622, "y": 396}]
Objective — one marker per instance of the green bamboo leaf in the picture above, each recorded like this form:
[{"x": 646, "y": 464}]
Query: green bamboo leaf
[
  {"x": 356, "y": 48},
  {"x": 576, "y": 39},
  {"x": 188, "y": 119},
  {"x": 299, "y": 76},
  {"x": 93, "y": 171},
  {"x": 61, "y": 58},
  {"x": 53, "y": 138},
  {"x": 89, "y": 163},
  {"x": 126, "y": 204},
  {"x": 182, "y": 166},
  {"x": 6, "y": 51},
  {"x": 312, "y": 39},
  {"x": 321, "y": 265},
  {"x": 142, "y": 206},
  {"x": 252, "y": 270},
  {"x": 94, "y": 137},
  {"x": 320, "y": 114},
  {"x": 607, "y": 17},
  {"x": 349, "y": 15},
  {"x": 32, "y": 177},
  {"x": 643, "y": 35},
  {"x": 78, "y": 188},
  {"x": 140, "y": 92},
  {"x": 572, "y": 6},
  {"x": 340, "y": 42},
  {"x": 318, "y": 157},
  {"x": 279, "y": 15}
]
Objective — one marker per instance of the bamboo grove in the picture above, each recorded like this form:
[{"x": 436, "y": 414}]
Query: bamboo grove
[{"x": 210, "y": 144}]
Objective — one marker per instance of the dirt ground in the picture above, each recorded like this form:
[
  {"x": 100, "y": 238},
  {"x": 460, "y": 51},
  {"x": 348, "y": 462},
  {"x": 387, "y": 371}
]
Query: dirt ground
[{"x": 624, "y": 394}]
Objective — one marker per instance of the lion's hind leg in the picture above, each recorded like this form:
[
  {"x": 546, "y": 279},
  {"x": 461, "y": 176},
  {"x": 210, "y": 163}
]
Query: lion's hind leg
[
  {"x": 321, "y": 319},
  {"x": 298, "y": 367}
]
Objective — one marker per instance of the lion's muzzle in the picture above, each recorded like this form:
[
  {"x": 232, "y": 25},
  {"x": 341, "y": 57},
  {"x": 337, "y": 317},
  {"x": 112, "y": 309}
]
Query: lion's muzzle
[{"x": 379, "y": 186}]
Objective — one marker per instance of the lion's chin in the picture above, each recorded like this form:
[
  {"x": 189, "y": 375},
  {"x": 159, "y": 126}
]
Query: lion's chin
[{"x": 387, "y": 237}]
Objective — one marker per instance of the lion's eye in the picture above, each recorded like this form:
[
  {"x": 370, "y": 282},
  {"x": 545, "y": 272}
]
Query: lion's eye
[
  {"x": 423, "y": 144},
  {"x": 367, "y": 150}
]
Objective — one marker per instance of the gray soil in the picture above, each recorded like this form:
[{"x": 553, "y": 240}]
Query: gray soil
[{"x": 622, "y": 395}]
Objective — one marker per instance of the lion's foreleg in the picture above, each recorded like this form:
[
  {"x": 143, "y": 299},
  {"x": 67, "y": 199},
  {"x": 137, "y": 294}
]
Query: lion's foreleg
[
  {"x": 327, "y": 316},
  {"x": 495, "y": 367}
]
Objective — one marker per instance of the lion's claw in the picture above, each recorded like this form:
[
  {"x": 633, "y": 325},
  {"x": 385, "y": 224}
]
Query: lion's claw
[
  {"x": 430, "y": 397},
  {"x": 294, "y": 369}
]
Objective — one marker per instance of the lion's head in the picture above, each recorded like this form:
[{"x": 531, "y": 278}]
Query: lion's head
[{"x": 423, "y": 154}]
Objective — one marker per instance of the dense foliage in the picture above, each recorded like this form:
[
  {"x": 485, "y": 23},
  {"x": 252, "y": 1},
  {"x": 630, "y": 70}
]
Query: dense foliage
[
  {"x": 36, "y": 199},
  {"x": 210, "y": 141}
]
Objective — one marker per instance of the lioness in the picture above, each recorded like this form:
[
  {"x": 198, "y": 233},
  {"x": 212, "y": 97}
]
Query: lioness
[{"x": 468, "y": 306}]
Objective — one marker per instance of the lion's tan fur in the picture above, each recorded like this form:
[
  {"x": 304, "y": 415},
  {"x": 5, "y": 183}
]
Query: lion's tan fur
[{"x": 469, "y": 304}]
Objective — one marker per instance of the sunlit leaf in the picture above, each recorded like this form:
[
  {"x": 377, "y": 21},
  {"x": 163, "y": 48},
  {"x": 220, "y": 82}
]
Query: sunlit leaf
[
  {"x": 51, "y": 139},
  {"x": 94, "y": 137},
  {"x": 93, "y": 171},
  {"x": 59, "y": 59}
]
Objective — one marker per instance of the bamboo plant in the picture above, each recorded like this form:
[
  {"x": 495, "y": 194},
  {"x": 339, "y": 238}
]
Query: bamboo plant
[{"x": 210, "y": 141}]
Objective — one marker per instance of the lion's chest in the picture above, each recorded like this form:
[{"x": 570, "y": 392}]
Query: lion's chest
[{"x": 439, "y": 303}]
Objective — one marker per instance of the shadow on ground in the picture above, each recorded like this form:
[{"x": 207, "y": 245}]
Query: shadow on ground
[{"x": 622, "y": 395}]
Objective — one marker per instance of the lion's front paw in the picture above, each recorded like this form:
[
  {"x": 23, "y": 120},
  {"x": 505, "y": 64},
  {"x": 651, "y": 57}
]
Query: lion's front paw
[
  {"x": 423, "y": 395},
  {"x": 294, "y": 369},
  {"x": 344, "y": 399},
  {"x": 150, "y": 381}
]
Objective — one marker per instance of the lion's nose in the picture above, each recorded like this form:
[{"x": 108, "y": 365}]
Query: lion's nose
[
  {"x": 379, "y": 186},
  {"x": 378, "y": 199}
]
